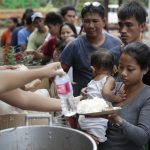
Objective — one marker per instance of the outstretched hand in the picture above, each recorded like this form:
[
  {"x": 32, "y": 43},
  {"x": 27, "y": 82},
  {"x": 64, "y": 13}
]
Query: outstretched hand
[{"x": 52, "y": 69}]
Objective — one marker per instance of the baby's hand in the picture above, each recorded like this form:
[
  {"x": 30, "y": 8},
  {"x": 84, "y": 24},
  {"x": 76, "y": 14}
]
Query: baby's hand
[
  {"x": 84, "y": 93},
  {"x": 122, "y": 94}
]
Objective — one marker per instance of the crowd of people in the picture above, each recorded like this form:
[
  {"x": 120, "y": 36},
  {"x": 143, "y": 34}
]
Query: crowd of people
[
  {"x": 92, "y": 54},
  {"x": 23, "y": 36}
]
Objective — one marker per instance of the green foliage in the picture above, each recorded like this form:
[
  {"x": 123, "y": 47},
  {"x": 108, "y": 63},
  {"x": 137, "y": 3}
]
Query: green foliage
[
  {"x": 80, "y": 5},
  {"x": 20, "y": 3},
  {"x": 3, "y": 24},
  {"x": 49, "y": 7},
  {"x": 56, "y": 3},
  {"x": 11, "y": 56},
  {"x": 60, "y": 3},
  {"x": 113, "y": 1},
  {"x": 20, "y": 58}
]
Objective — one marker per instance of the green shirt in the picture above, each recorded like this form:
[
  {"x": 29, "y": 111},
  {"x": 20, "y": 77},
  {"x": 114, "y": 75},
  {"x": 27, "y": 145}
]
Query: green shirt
[{"x": 36, "y": 39}]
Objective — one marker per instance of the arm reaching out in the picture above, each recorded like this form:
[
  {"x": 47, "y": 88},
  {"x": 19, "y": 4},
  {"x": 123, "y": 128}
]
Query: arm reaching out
[
  {"x": 30, "y": 101},
  {"x": 11, "y": 79}
]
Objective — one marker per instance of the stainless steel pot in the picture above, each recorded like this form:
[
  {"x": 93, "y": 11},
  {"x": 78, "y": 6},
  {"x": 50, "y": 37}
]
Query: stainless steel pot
[{"x": 45, "y": 138}]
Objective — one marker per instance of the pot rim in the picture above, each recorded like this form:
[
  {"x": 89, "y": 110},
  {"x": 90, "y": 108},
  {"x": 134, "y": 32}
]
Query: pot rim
[{"x": 47, "y": 126}]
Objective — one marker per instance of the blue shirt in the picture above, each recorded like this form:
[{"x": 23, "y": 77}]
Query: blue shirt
[
  {"x": 14, "y": 38},
  {"x": 23, "y": 36}
]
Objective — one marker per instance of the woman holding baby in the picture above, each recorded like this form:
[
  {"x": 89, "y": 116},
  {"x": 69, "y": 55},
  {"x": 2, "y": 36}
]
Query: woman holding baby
[{"x": 129, "y": 128}]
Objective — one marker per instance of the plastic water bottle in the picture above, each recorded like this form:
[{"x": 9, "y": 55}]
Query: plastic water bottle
[{"x": 65, "y": 93}]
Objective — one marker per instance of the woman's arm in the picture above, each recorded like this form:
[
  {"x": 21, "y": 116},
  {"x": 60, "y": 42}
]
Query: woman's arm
[{"x": 139, "y": 133}]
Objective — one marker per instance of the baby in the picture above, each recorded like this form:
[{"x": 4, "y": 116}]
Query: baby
[{"x": 101, "y": 86}]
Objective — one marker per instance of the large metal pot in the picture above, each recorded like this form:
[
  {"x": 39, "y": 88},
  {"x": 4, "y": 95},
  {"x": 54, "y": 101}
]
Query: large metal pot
[{"x": 45, "y": 138}]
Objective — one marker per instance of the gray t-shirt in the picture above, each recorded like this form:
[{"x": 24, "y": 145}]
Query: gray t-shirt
[
  {"x": 134, "y": 133},
  {"x": 77, "y": 54}
]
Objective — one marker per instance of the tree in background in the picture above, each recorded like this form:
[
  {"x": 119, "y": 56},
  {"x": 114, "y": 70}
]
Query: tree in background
[
  {"x": 56, "y": 3},
  {"x": 20, "y": 3}
]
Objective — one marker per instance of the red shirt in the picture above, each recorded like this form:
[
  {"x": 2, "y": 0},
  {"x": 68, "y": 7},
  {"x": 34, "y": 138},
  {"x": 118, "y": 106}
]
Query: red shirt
[
  {"x": 49, "y": 47},
  {"x": 5, "y": 43}
]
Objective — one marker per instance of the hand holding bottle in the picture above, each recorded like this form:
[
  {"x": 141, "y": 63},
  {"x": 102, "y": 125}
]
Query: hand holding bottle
[
  {"x": 52, "y": 69},
  {"x": 65, "y": 92}
]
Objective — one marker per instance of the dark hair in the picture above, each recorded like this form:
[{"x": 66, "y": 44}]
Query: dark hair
[
  {"x": 132, "y": 9},
  {"x": 71, "y": 26},
  {"x": 140, "y": 52},
  {"x": 65, "y": 9},
  {"x": 15, "y": 20},
  {"x": 28, "y": 18},
  {"x": 93, "y": 9},
  {"x": 102, "y": 58},
  {"x": 27, "y": 11},
  {"x": 53, "y": 18}
]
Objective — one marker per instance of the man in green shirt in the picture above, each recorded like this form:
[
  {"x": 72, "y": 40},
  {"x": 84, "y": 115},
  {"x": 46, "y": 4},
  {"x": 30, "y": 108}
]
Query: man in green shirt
[{"x": 37, "y": 37}]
